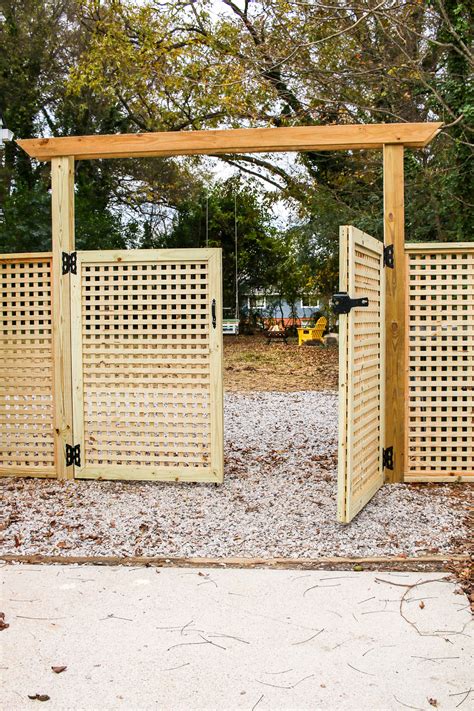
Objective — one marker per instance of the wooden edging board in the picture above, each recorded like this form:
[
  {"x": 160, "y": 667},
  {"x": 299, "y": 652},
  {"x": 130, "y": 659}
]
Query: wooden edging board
[{"x": 422, "y": 562}]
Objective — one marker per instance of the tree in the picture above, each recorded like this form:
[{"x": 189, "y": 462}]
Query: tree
[
  {"x": 29, "y": 64},
  {"x": 178, "y": 65},
  {"x": 78, "y": 66},
  {"x": 41, "y": 42},
  {"x": 260, "y": 251}
]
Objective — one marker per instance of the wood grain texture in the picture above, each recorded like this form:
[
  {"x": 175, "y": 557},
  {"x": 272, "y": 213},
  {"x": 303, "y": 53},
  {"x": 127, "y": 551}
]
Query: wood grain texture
[
  {"x": 62, "y": 208},
  {"x": 421, "y": 562},
  {"x": 26, "y": 366},
  {"x": 216, "y": 365},
  {"x": 440, "y": 363},
  {"x": 147, "y": 365},
  {"x": 395, "y": 309},
  {"x": 361, "y": 391},
  {"x": 344, "y": 393},
  {"x": 242, "y": 140}
]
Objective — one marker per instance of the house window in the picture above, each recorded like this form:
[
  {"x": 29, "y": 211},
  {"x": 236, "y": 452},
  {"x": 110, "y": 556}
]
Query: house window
[
  {"x": 258, "y": 302},
  {"x": 310, "y": 301}
]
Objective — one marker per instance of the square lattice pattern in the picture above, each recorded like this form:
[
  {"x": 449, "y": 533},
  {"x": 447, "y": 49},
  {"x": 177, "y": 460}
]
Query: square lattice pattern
[
  {"x": 26, "y": 366},
  {"x": 366, "y": 364},
  {"x": 145, "y": 364},
  {"x": 361, "y": 385},
  {"x": 440, "y": 409}
]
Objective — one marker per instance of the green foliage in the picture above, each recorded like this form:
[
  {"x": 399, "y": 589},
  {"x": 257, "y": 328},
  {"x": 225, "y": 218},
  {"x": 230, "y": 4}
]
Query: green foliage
[
  {"x": 258, "y": 248},
  {"x": 26, "y": 224},
  {"x": 72, "y": 67},
  {"x": 179, "y": 65},
  {"x": 454, "y": 100}
]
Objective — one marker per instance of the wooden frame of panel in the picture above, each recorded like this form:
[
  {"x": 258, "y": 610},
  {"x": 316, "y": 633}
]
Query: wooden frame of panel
[
  {"x": 439, "y": 435},
  {"x": 214, "y": 471},
  {"x": 355, "y": 390},
  {"x": 13, "y": 355}
]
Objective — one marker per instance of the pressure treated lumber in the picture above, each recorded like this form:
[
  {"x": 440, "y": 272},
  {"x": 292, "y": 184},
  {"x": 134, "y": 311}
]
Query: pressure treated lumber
[
  {"x": 395, "y": 309},
  {"x": 361, "y": 373},
  {"x": 26, "y": 366},
  {"x": 62, "y": 207},
  {"x": 147, "y": 365},
  {"x": 241, "y": 140},
  {"x": 421, "y": 562},
  {"x": 440, "y": 363}
]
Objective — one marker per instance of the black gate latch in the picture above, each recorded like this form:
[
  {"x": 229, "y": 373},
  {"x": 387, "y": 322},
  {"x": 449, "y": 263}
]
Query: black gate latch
[
  {"x": 342, "y": 303},
  {"x": 73, "y": 455}
]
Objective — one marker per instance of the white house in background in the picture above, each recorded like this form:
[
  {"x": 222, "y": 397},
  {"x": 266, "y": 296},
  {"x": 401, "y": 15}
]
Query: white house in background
[{"x": 271, "y": 304}]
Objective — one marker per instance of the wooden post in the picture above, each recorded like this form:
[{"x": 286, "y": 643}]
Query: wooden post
[
  {"x": 395, "y": 317},
  {"x": 62, "y": 207}
]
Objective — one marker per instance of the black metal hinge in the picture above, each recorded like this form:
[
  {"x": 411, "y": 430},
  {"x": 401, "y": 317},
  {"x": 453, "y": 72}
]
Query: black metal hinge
[
  {"x": 388, "y": 258},
  {"x": 342, "y": 303},
  {"x": 387, "y": 458},
  {"x": 73, "y": 455},
  {"x": 70, "y": 263}
]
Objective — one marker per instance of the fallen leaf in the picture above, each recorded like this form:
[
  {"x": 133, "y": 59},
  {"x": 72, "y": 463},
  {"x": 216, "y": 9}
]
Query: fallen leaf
[{"x": 58, "y": 670}]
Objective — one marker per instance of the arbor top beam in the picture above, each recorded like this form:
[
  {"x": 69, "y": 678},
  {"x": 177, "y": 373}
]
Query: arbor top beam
[{"x": 240, "y": 140}]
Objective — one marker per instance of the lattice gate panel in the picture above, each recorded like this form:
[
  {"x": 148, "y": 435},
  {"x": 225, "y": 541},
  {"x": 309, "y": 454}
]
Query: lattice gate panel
[
  {"x": 440, "y": 405},
  {"x": 361, "y": 388},
  {"x": 147, "y": 373},
  {"x": 26, "y": 366}
]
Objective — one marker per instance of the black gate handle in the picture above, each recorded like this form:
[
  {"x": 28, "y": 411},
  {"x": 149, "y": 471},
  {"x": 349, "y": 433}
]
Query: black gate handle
[{"x": 213, "y": 312}]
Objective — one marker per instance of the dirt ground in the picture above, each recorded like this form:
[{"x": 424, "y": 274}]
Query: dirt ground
[
  {"x": 251, "y": 365},
  {"x": 283, "y": 444}
]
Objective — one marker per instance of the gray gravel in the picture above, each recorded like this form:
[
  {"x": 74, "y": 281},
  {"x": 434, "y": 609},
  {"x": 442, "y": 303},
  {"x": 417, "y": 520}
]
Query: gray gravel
[{"x": 278, "y": 499}]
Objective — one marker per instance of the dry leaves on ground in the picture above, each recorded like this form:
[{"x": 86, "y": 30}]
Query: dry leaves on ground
[
  {"x": 3, "y": 625},
  {"x": 252, "y": 365}
]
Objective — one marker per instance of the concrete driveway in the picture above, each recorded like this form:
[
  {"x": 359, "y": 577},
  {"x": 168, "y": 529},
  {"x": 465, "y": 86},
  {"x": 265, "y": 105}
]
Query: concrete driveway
[{"x": 172, "y": 639}]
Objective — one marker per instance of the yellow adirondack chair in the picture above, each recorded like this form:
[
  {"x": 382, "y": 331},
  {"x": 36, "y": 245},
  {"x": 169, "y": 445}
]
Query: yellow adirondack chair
[{"x": 313, "y": 334}]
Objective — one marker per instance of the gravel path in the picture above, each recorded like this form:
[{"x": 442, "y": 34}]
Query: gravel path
[{"x": 278, "y": 499}]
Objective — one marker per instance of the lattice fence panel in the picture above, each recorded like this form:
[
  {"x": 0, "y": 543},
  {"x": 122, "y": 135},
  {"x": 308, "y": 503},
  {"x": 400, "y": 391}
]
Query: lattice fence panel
[
  {"x": 361, "y": 373},
  {"x": 146, "y": 368},
  {"x": 440, "y": 406},
  {"x": 26, "y": 366}
]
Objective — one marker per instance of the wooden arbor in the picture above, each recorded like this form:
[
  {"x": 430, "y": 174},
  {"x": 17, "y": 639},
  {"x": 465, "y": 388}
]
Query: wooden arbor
[{"x": 391, "y": 138}]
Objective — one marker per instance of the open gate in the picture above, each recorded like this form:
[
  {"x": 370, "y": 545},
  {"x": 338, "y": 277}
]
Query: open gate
[
  {"x": 360, "y": 304},
  {"x": 147, "y": 365}
]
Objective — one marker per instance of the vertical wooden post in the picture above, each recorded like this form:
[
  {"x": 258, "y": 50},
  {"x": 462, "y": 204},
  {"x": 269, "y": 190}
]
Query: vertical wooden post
[
  {"x": 62, "y": 207},
  {"x": 395, "y": 317}
]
